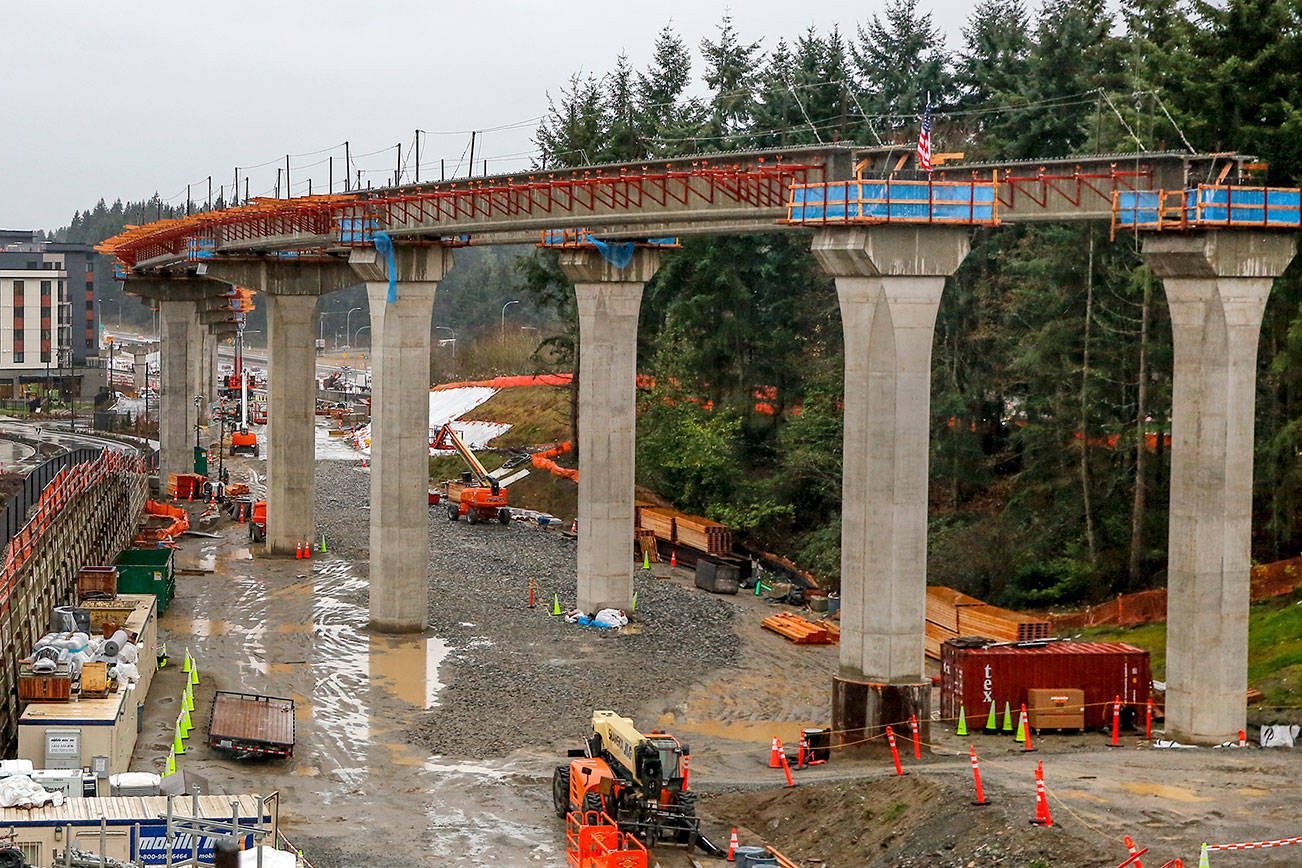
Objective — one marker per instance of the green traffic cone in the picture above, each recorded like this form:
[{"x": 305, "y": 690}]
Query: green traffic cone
[
  {"x": 194, "y": 674},
  {"x": 962, "y": 723},
  {"x": 1203, "y": 861},
  {"x": 1021, "y": 729},
  {"x": 556, "y": 604},
  {"x": 992, "y": 720},
  {"x": 646, "y": 560},
  {"x": 178, "y": 746},
  {"x": 1008, "y": 719},
  {"x": 323, "y": 547},
  {"x": 169, "y": 768},
  {"x": 634, "y": 609},
  {"x": 189, "y": 724},
  {"x": 186, "y": 663}
]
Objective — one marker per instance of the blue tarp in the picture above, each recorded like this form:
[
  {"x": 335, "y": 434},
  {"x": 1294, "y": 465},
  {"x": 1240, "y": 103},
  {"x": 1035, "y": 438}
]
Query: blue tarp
[
  {"x": 904, "y": 202},
  {"x": 1216, "y": 206}
]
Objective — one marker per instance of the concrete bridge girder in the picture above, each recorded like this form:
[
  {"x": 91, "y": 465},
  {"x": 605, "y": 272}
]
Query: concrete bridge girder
[
  {"x": 1217, "y": 284},
  {"x": 400, "y": 353}
]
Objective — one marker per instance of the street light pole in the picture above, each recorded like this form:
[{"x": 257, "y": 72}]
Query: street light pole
[
  {"x": 454, "y": 339},
  {"x": 348, "y": 322},
  {"x": 504, "y": 307},
  {"x": 360, "y": 329}
]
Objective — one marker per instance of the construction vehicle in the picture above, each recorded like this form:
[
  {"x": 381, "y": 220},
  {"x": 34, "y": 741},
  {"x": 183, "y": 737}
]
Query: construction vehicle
[
  {"x": 638, "y": 780},
  {"x": 477, "y": 494},
  {"x": 242, "y": 439},
  {"x": 258, "y": 522}
]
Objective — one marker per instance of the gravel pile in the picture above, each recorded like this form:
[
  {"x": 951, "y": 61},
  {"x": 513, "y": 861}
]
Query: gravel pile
[{"x": 517, "y": 677}]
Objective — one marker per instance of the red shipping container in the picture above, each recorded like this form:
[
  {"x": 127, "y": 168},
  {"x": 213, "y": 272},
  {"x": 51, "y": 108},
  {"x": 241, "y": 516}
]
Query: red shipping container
[{"x": 977, "y": 676}]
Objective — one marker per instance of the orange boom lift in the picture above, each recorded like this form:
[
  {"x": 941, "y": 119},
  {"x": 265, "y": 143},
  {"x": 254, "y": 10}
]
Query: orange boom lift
[{"x": 477, "y": 495}]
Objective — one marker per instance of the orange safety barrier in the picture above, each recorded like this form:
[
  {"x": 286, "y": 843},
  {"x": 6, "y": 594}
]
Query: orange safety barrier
[
  {"x": 509, "y": 382},
  {"x": 543, "y": 461},
  {"x": 180, "y": 520},
  {"x": 592, "y": 840}
]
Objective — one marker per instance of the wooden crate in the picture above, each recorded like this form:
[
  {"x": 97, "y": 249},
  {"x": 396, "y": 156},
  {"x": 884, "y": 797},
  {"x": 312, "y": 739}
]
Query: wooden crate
[
  {"x": 44, "y": 686},
  {"x": 704, "y": 535},
  {"x": 94, "y": 680},
  {"x": 97, "y": 580},
  {"x": 1002, "y": 624}
]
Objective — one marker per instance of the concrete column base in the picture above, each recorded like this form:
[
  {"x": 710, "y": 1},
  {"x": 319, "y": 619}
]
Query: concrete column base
[{"x": 861, "y": 711}]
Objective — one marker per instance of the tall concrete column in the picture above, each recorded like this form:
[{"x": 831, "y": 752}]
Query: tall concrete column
[
  {"x": 1216, "y": 285},
  {"x": 140, "y": 360},
  {"x": 400, "y": 381},
  {"x": 609, "y": 300},
  {"x": 889, "y": 281},
  {"x": 291, "y": 398},
  {"x": 290, "y": 289},
  {"x": 179, "y": 327},
  {"x": 210, "y": 366}
]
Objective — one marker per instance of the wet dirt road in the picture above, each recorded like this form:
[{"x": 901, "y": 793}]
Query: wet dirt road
[{"x": 355, "y": 788}]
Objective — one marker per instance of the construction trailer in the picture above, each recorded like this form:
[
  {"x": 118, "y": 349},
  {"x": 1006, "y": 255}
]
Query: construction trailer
[{"x": 141, "y": 829}]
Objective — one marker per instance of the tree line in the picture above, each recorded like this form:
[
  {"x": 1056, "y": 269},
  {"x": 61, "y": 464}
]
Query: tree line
[{"x": 1051, "y": 369}]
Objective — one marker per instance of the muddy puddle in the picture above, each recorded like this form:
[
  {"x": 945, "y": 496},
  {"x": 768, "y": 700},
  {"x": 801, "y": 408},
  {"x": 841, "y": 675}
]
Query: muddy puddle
[{"x": 354, "y": 784}]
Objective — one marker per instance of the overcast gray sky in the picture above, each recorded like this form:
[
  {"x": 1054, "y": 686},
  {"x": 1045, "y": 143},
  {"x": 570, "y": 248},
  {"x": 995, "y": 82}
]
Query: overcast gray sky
[{"x": 119, "y": 99}]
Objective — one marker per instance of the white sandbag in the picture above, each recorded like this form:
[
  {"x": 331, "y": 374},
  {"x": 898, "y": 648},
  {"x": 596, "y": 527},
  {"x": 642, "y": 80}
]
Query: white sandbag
[
  {"x": 270, "y": 858},
  {"x": 1279, "y": 735},
  {"x": 134, "y": 780},
  {"x": 129, "y": 653},
  {"x": 20, "y": 791},
  {"x": 610, "y": 618},
  {"x": 127, "y": 671},
  {"x": 15, "y": 767}
]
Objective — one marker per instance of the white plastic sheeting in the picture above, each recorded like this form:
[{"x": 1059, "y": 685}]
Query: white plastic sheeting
[{"x": 448, "y": 405}]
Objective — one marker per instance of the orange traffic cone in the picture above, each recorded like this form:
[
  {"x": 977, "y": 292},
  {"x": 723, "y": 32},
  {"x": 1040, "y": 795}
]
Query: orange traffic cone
[
  {"x": 1133, "y": 852},
  {"x": 298, "y": 549},
  {"x": 673, "y": 559},
  {"x": 775, "y": 754},
  {"x": 1042, "y": 815},
  {"x": 732, "y": 847},
  {"x": 800, "y": 757}
]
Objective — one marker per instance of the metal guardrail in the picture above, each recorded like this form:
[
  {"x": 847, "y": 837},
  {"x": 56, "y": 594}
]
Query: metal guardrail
[{"x": 14, "y": 514}]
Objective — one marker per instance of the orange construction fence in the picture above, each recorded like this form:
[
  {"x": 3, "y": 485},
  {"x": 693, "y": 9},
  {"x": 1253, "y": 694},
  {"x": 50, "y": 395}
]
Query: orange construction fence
[{"x": 543, "y": 461}]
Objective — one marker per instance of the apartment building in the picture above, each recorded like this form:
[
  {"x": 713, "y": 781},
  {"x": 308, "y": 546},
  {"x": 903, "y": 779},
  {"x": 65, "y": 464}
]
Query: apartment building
[{"x": 48, "y": 333}]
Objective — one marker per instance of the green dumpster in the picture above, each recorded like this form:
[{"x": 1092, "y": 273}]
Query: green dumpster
[{"x": 148, "y": 571}]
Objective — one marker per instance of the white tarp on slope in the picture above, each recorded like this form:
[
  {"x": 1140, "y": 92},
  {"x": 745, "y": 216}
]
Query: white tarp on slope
[{"x": 446, "y": 405}]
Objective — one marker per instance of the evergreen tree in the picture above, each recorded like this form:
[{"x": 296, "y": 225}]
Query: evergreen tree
[{"x": 901, "y": 59}]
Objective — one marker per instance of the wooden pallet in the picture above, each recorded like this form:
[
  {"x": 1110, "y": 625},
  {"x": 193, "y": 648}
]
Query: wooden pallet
[
  {"x": 797, "y": 629},
  {"x": 646, "y": 546}
]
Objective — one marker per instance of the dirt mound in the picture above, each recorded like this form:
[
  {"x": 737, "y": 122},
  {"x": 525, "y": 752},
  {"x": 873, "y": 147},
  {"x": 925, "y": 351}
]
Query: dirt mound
[{"x": 894, "y": 822}]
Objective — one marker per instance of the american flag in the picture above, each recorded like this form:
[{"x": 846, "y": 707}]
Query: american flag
[{"x": 924, "y": 141}]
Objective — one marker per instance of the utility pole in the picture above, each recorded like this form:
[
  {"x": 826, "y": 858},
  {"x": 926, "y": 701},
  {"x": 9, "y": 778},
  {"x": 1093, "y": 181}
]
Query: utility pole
[
  {"x": 471, "y": 171},
  {"x": 331, "y": 188},
  {"x": 210, "y": 192},
  {"x": 187, "y": 200},
  {"x": 397, "y": 169},
  {"x": 417, "y": 156},
  {"x": 288, "y": 192},
  {"x": 348, "y": 166}
]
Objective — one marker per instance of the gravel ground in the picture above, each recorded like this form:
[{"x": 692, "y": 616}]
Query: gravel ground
[{"x": 516, "y": 677}]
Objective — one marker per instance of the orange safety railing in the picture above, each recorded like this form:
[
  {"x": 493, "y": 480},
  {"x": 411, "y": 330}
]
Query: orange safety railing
[{"x": 593, "y": 840}]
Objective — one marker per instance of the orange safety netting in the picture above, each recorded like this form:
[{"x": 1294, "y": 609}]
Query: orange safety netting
[
  {"x": 543, "y": 461},
  {"x": 66, "y": 485},
  {"x": 508, "y": 382}
]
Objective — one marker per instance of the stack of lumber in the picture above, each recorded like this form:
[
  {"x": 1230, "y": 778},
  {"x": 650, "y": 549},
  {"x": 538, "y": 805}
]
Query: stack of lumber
[
  {"x": 659, "y": 521},
  {"x": 952, "y": 613},
  {"x": 703, "y": 534},
  {"x": 798, "y": 630},
  {"x": 646, "y": 546}
]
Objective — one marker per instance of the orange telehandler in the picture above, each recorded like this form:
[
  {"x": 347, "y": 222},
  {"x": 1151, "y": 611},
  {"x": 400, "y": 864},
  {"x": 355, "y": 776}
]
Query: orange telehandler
[
  {"x": 638, "y": 780},
  {"x": 477, "y": 495}
]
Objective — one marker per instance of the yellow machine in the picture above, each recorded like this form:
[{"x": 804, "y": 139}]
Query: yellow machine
[{"x": 637, "y": 779}]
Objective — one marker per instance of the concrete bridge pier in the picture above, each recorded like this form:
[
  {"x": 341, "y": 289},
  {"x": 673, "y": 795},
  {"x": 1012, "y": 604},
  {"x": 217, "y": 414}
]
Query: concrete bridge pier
[
  {"x": 609, "y": 300},
  {"x": 290, "y": 290},
  {"x": 179, "y": 341},
  {"x": 1216, "y": 285},
  {"x": 889, "y": 281},
  {"x": 140, "y": 360},
  {"x": 400, "y": 380}
]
